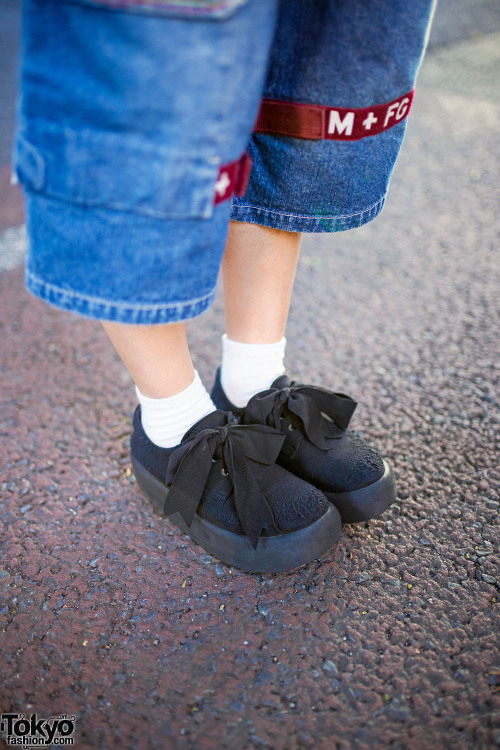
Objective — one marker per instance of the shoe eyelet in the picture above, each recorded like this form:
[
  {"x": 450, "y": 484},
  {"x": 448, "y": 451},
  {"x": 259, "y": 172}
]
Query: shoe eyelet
[
  {"x": 224, "y": 472},
  {"x": 291, "y": 428}
]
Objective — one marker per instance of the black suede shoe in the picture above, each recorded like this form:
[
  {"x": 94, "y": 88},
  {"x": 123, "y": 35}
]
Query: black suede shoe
[
  {"x": 221, "y": 486},
  {"x": 318, "y": 447}
]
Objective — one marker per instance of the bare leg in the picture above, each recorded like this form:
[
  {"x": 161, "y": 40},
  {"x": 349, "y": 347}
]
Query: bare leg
[
  {"x": 258, "y": 271},
  {"x": 157, "y": 357}
]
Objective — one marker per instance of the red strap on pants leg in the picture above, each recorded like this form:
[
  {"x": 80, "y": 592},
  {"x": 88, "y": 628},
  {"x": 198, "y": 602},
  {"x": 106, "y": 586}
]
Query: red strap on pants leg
[
  {"x": 233, "y": 179},
  {"x": 317, "y": 122}
]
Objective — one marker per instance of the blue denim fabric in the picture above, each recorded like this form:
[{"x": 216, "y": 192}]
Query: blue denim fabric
[
  {"x": 335, "y": 53},
  {"x": 125, "y": 118}
]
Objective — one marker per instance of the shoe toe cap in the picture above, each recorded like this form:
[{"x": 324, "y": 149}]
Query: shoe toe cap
[
  {"x": 349, "y": 465},
  {"x": 295, "y": 503}
]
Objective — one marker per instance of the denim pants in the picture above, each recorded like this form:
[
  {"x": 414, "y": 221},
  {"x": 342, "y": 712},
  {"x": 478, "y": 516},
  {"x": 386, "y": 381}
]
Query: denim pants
[{"x": 129, "y": 110}]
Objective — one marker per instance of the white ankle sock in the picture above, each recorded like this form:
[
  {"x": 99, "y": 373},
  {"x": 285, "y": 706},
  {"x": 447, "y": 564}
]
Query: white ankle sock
[
  {"x": 166, "y": 420},
  {"x": 248, "y": 369}
]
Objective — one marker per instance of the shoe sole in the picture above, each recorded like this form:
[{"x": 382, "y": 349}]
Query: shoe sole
[
  {"x": 273, "y": 554},
  {"x": 367, "y": 502}
]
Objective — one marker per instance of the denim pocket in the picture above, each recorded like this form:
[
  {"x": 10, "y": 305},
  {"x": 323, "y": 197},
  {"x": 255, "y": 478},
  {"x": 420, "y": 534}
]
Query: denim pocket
[
  {"x": 194, "y": 9},
  {"x": 122, "y": 172}
]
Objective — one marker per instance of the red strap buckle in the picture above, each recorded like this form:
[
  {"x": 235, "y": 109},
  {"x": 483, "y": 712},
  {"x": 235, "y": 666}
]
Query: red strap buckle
[
  {"x": 233, "y": 178},
  {"x": 317, "y": 122}
]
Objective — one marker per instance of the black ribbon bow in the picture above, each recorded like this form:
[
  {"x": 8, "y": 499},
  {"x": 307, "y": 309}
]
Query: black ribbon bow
[
  {"x": 324, "y": 415},
  {"x": 190, "y": 465}
]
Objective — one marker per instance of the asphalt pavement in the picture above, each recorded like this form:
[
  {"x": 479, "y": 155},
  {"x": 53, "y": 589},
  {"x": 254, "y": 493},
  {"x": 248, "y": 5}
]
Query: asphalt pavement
[{"x": 391, "y": 640}]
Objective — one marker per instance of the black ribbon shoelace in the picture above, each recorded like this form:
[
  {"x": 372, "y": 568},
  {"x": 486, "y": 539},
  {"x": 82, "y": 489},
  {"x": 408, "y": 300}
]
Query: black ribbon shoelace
[
  {"x": 238, "y": 446},
  {"x": 310, "y": 404}
]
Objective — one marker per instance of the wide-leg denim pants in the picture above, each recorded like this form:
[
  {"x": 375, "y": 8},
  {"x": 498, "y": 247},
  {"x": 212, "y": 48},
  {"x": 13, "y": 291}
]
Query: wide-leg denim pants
[{"x": 133, "y": 117}]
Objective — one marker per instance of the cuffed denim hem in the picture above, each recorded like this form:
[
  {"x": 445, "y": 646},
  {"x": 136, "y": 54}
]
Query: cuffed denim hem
[
  {"x": 290, "y": 222},
  {"x": 101, "y": 309}
]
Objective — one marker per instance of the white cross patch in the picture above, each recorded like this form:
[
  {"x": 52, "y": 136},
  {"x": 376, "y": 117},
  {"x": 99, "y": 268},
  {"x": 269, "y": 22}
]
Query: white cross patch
[
  {"x": 222, "y": 184},
  {"x": 370, "y": 120}
]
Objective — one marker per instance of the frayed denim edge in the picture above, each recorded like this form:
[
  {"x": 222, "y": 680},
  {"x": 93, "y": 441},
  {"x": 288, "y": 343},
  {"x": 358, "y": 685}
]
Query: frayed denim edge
[
  {"x": 100, "y": 309},
  {"x": 296, "y": 223}
]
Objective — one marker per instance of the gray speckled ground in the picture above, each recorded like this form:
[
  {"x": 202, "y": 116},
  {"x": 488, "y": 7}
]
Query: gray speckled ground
[{"x": 392, "y": 639}]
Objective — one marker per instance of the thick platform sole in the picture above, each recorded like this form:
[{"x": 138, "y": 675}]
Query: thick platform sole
[
  {"x": 367, "y": 502},
  {"x": 273, "y": 554}
]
